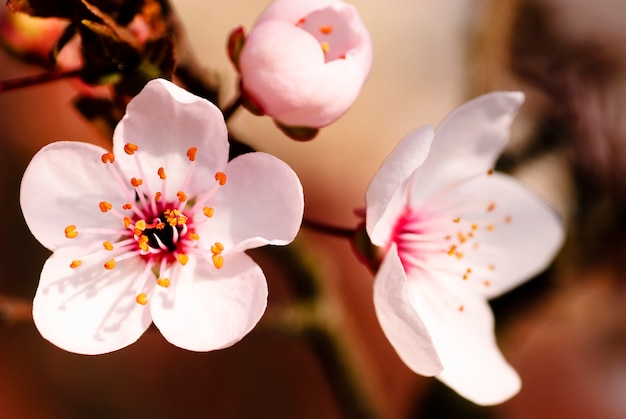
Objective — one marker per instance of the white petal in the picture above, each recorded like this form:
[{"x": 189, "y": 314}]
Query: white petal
[
  {"x": 206, "y": 308},
  {"x": 63, "y": 185},
  {"x": 261, "y": 203},
  {"x": 385, "y": 195},
  {"x": 89, "y": 310},
  {"x": 165, "y": 121},
  {"x": 399, "y": 320},
  {"x": 291, "y": 11},
  {"x": 467, "y": 142},
  {"x": 464, "y": 337},
  {"x": 526, "y": 232}
]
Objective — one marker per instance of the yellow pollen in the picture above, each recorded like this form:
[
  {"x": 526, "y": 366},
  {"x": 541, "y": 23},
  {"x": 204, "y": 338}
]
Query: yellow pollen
[
  {"x": 456, "y": 220},
  {"x": 142, "y": 241},
  {"x": 136, "y": 182},
  {"x": 221, "y": 178},
  {"x": 164, "y": 282},
  {"x": 127, "y": 222},
  {"x": 127, "y": 206},
  {"x": 474, "y": 226},
  {"x": 142, "y": 299},
  {"x": 183, "y": 259},
  {"x": 462, "y": 237},
  {"x": 461, "y": 308},
  {"x": 108, "y": 158},
  {"x": 140, "y": 225},
  {"x": 174, "y": 217},
  {"x": 105, "y": 206},
  {"x": 157, "y": 196},
  {"x": 491, "y": 206},
  {"x": 451, "y": 250},
  {"x": 218, "y": 261},
  {"x": 459, "y": 255},
  {"x": 75, "y": 264},
  {"x": 490, "y": 227},
  {"x": 70, "y": 231},
  {"x": 208, "y": 211},
  {"x": 489, "y": 172},
  {"x": 217, "y": 248},
  {"x": 326, "y": 30},
  {"x": 193, "y": 236},
  {"x": 486, "y": 282},
  {"x": 107, "y": 245},
  {"x": 465, "y": 276},
  {"x": 325, "y": 46},
  {"x": 160, "y": 226},
  {"x": 182, "y": 197},
  {"x": 130, "y": 149},
  {"x": 191, "y": 153},
  {"x": 110, "y": 264},
  {"x": 161, "y": 173}
]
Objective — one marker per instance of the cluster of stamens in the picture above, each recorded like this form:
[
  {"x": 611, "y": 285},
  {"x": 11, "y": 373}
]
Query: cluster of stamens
[
  {"x": 159, "y": 232},
  {"x": 436, "y": 241},
  {"x": 324, "y": 34}
]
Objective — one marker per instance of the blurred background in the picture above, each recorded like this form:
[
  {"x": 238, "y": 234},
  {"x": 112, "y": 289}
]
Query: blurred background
[{"x": 564, "y": 331}]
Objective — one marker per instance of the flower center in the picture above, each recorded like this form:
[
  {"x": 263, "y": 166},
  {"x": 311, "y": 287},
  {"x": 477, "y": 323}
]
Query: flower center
[{"x": 157, "y": 231}]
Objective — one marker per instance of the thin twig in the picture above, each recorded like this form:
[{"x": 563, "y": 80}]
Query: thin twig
[
  {"x": 38, "y": 79},
  {"x": 347, "y": 233},
  {"x": 232, "y": 108}
]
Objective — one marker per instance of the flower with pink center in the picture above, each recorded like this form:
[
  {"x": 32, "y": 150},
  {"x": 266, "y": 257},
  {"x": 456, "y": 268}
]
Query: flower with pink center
[
  {"x": 454, "y": 234},
  {"x": 155, "y": 231},
  {"x": 304, "y": 62}
]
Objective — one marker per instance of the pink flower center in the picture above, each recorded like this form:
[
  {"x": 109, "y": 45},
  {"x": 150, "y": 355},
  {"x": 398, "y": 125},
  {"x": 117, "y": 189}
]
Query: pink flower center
[
  {"x": 332, "y": 29},
  {"x": 159, "y": 232}
]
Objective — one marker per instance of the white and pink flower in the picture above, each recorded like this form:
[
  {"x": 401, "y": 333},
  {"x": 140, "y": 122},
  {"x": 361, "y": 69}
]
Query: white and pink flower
[
  {"x": 155, "y": 231},
  {"x": 304, "y": 62},
  {"x": 455, "y": 234}
]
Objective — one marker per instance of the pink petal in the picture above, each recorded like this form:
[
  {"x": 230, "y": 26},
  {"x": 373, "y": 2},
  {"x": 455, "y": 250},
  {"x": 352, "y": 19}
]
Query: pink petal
[
  {"x": 460, "y": 323},
  {"x": 63, "y": 185},
  {"x": 261, "y": 203},
  {"x": 467, "y": 142},
  {"x": 206, "y": 308},
  {"x": 281, "y": 67},
  {"x": 89, "y": 310},
  {"x": 291, "y": 11},
  {"x": 525, "y": 237},
  {"x": 386, "y": 195},
  {"x": 165, "y": 121},
  {"x": 399, "y": 320}
]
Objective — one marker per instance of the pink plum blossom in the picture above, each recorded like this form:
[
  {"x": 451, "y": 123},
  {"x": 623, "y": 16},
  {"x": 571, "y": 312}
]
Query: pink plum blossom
[
  {"x": 304, "y": 62},
  {"x": 155, "y": 231},
  {"x": 454, "y": 234}
]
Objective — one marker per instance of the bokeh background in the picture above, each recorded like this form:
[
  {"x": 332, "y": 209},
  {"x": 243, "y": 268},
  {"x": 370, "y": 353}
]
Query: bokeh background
[{"x": 564, "y": 331}]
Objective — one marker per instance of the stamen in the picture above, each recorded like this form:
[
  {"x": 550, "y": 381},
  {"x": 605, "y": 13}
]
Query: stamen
[
  {"x": 325, "y": 46},
  {"x": 130, "y": 148},
  {"x": 164, "y": 282},
  {"x": 191, "y": 153},
  {"x": 217, "y": 248},
  {"x": 461, "y": 308},
  {"x": 127, "y": 206},
  {"x": 451, "y": 250},
  {"x": 70, "y": 231},
  {"x": 75, "y": 264},
  {"x": 208, "y": 211},
  {"x": 182, "y": 197},
  {"x": 218, "y": 261},
  {"x": 489, "y": 172},
  {"x": 107, "y": 245},
  {"x": 136, "y": 182},
  {"x": 456, "y": 220},
  {"x": 221, "y": 178},
  {"x": 110, "y": 264},
  {"x": 491, "y": 207},
  {"x": 142, "y": 299},
  {"x": 105, "y": 206},
  {"x": 193, "y": 236},
  {"x": 326, "y": 30},
  {"x": 508, "y": 219},
  {"x": 161, "y": 173},
  {"x": 182, "y": 258},
  {"x": 108, "y": 158},
  {"x": 127, "y": 222},
  {"x": 157, "y": 196},
  {"x": 490, "y": 227},
  {"x": 486, "y": 282}
]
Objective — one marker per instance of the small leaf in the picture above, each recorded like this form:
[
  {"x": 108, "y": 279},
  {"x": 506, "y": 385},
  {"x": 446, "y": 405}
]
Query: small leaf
[
  {"x": 236, "y": 41},
  {"x": 298, "y": 133}
]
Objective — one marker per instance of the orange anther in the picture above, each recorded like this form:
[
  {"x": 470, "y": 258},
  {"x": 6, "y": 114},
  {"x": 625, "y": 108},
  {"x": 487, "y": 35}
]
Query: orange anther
[
  {"x": 490, "y": 227},
  {"x": 474, "y": 226},
  {"x": 486, "y": 282},
  {"x": 127, "y": 206},
  {"x": 142, "y": 299},
  {"x": 489, "y": 172},
  {"x": 107, "y": 245},
  {"x": 161, "y": 173},
  {"x": 142, "y": 241},
  {"x": 182, "y": 197},
  {"x": 491, "y": 267},
  {"x": 193, "y": 236},
  {"x": 221, "y": 178},
  {"x": 127, "y": 222},
  {"x": 191, "y": 153},
  {"x": 451, "y": 250},
  {"x": 216, "y": 250},
  {"x": 208, "y": 211},
  {"x": 462, "y": 237},
  {"x": 108, "y": 158},
  {"x": 456, "y": 220},
  {"x": 110, "y": 264},
  {"x": 140, "y": 225},
  {"x": 105, "y": 206},
  {"x": 164, "y": 282},
  {"x": 461, "y": 308},
  {"x": 75, "y": 264},
  {"x": 157, "y": 196},
  {"x": 508, "y": 219},
  {"x": 325, "y": 46},
  {"x": 136, "y": 182},
  {"x": 70, "y": 231},
  {"x": 491, "y": 207},
  {"x": 326, "y": 30},
  {"x": 182, "y": 259},
  {"x": 301, "y": 21},
  {"x": 459, "y": 255},
  {"x": 130, "y": 148},
  {"x": 218, "y": 261}
]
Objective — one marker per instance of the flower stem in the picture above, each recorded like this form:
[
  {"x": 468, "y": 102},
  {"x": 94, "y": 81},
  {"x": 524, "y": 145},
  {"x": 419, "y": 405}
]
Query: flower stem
[
  {"x": 13, "y": 84},
  {"x": 347, "y": 233},
  {"x": 232, "y": 108}
]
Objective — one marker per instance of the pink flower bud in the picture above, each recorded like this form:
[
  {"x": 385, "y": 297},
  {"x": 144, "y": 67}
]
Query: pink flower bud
[
  {"x": 304, "y": 62},
  {"x": 29, "y": 37}
]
